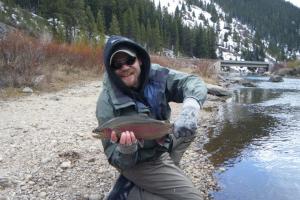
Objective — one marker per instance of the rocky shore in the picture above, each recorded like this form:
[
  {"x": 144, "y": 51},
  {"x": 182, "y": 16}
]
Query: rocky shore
[{"x": 47, "y": 150}]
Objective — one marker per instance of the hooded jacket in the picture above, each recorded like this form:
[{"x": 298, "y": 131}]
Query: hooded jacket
[{"x": 158, "y": 86}]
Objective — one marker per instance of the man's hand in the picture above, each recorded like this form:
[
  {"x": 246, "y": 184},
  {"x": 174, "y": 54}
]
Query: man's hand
[
  {"x": 186, "y": 123},
  {"x": 127, "y": 143}
]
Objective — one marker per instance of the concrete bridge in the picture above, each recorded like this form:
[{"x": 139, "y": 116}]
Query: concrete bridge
[{"x": 222, "y": 65}]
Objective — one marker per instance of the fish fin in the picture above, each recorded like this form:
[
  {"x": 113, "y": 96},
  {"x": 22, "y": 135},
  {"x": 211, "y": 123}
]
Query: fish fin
[
  {"x": 97, "y": 130},
  {"x": 97, "y": 135}
]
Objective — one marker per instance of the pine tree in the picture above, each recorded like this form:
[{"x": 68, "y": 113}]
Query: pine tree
[
  {"x": 73, "y": 15},
  {"x": 156, "y": 37},
  {"x": 100, "y": 28},
  {"x": 114, "y": 28},
  {"x": 90, "y": 23}
]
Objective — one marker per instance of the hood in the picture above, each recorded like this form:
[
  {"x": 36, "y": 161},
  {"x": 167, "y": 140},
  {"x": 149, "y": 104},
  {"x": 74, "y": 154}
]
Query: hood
[{"x": 116, "y": 42}]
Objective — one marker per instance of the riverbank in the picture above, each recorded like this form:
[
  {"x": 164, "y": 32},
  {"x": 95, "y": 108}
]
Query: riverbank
[{"x": 47, "y": 151}]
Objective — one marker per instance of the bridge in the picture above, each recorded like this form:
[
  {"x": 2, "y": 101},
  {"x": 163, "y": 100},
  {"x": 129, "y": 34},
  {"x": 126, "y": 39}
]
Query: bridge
[{"x": 223, "y": 64}]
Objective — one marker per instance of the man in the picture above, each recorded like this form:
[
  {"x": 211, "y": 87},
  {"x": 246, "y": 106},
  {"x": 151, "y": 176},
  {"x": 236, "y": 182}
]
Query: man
[{"x": 132, "y": 85}]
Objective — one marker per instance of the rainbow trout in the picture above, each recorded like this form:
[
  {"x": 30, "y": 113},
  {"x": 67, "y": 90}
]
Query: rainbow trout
[{"x": 143, "y": 127}]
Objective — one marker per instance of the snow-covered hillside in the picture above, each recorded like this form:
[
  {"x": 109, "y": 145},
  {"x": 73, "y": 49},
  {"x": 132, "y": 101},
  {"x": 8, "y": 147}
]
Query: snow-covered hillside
[{"x": 232, "y": 37}]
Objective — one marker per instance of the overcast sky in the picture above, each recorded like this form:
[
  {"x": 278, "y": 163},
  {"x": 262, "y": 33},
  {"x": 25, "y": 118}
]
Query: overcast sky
[{"x": 295, "y": 2}]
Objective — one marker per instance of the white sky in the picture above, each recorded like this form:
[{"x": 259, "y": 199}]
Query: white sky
[{"x": 295, "y": 2}]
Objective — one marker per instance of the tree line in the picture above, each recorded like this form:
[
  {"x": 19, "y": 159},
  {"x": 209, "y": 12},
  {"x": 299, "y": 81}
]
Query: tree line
[
  {"x": 140, "y": 20},
  {"x": 274, "y": 21}
]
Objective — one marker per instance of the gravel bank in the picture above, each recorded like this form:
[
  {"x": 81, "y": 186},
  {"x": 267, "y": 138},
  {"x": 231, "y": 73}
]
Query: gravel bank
[{"x": 47, "y": 152}]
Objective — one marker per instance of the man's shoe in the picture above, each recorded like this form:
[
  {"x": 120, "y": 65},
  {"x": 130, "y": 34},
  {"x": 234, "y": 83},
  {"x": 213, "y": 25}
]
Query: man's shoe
[{"x": 121, "y": 189}]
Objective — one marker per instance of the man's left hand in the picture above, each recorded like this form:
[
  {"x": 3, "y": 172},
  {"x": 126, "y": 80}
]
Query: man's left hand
[{"x": 186, "y": 124}]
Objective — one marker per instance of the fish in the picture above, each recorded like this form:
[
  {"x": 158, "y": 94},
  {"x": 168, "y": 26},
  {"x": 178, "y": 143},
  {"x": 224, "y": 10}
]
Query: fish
[{"x": 142, "y": 126}]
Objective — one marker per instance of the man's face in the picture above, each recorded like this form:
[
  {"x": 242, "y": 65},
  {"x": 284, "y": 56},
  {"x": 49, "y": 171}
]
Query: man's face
[{"x": 127, "y": 68}]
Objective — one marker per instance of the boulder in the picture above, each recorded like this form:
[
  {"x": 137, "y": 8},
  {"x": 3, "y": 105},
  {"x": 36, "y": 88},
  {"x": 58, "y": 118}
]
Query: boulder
[
  {"x": 4, "y": 29},
  {"x": 27, "y": 90},
  {"x": 217, "y": 90},
  {"x": 294, "y": 71},
  {"x": 276, "y": 78},
  {"x": 247, "y": 83}
]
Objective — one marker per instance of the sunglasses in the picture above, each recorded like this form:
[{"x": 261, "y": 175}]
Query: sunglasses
[{"x": 128, "y": 61}]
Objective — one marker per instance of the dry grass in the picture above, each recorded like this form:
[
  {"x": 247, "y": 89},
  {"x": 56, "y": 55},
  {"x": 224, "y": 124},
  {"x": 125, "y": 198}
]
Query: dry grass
[
  {"x": 23, "y": 59},
  {"x": 201, "y": 67},
  {"x": 293, "y": 64}
]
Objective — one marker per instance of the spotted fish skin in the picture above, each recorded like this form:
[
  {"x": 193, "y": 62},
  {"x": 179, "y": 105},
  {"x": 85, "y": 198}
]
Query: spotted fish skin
[{"x": 142, "y": 126}]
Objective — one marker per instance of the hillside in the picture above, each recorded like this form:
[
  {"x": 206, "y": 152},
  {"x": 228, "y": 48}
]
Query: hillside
[
  {"x": 276, "y": 22},
  {"x": 195, "y": 28}
]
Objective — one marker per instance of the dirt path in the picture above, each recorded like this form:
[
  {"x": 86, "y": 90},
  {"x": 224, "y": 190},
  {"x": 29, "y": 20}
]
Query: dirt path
[{"x": 47, "y": 152}]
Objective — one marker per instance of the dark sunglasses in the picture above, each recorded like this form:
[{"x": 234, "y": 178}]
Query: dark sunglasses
[{"x": 118, "y": 64}]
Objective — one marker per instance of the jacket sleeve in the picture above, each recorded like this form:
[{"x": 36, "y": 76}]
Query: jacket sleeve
[
  {"x": 105, "y": 112},
  {"x": 181, "y": 85}
]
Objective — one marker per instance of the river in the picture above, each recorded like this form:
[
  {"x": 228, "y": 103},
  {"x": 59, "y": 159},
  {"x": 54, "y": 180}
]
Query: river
[{"x": 256, "y": 143}]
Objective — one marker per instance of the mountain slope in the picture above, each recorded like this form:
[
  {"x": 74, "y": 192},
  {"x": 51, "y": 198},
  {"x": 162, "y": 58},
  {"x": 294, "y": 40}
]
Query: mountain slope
[
  {"x": 246, "y": 29},
  {"x": 228, "y": 29},
  {"x": 275, "y": 21}
]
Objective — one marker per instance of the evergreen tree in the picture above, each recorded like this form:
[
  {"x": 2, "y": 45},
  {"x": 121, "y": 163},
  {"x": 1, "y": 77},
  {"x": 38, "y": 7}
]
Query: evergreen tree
[
  {"x": 72, "y": 15},
  {"x": 149, "y": 35},
  {"x": 153, "y": 27},
  {"x": 114, "y": 28},
  {"x": 90, "y": 23},
  {"x": 273, "y": 20},
  {"x": 100, "y": 27},
  {"x": 156, "y": 36}
]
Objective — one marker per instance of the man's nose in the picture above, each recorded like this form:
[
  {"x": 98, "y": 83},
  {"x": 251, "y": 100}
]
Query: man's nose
[{"x": 125, "y": 66}]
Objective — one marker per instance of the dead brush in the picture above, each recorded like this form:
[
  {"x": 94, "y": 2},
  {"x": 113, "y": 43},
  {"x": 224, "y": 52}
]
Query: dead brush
[
  {"x": 21, "y": 59},
  {"x": 203, "y": 67}
]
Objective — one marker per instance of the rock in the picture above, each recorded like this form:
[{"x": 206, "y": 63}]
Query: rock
[
  {"x": 236, "y": 80},
  {"x": 31, "y": 183},
  {"x": 55, "y": 98},
  {"x": 92, "y": 160},
  {"x": 4, "y": 28},
  {"x": 3, "y": 198},
  {"x": 95, "y": 197},
  {"x": 66, "y": 165},
  {"x": 222, "y": 169},
  {"x": 28, "y": 177},
  {"x": 276, "y": 78},
  {"x": 46, "y": 160},
  {"x": 247, "y": 83},
  {"x": 70, "y": 155},
  {"x": 27, "y": 90},
  {"x": 293, "y": 71},
  {"x": 5, "y": 182},
  {"x": 42, "y": 194},
  {"x": 38, "y": 80},
  {"x": 217, "y": 90}
]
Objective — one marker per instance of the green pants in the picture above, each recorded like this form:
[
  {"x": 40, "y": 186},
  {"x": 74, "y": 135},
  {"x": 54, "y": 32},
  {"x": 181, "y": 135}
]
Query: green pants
[{"x": 162, "y": 178}]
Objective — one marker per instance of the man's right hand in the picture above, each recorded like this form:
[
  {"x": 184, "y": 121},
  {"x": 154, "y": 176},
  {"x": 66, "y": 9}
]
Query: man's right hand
[{"x": 127, "y": 143}]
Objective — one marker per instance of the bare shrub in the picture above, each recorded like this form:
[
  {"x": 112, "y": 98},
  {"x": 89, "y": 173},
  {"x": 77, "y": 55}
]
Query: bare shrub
[
  {"x": 205, "y": 68},
  {"x": 20, "y": 57},
  {"x": 163, "y": 61},
  {"x": 202, "y": 67},
  {"x": 76, "y": 55}
]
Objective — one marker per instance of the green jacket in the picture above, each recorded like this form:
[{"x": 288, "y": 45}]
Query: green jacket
[{"x": 163, "y": 86}]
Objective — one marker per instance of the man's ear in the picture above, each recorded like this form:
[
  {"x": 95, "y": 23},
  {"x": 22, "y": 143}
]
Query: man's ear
[{"x": 140, "y": 62}]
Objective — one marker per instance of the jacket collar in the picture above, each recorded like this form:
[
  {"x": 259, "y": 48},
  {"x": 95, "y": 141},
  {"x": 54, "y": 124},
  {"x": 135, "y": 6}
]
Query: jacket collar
[{"x": 118, "y": 98}]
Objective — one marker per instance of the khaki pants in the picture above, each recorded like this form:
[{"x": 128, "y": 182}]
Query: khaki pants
[{"x": 162, "y": 179}]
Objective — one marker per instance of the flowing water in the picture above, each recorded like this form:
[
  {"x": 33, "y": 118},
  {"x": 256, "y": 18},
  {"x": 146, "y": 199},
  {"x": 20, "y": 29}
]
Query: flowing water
[{"x": 256, "y": 143}]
